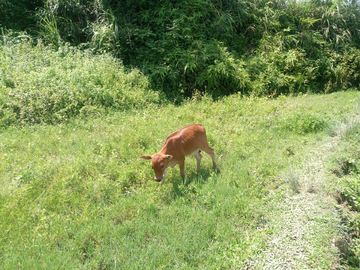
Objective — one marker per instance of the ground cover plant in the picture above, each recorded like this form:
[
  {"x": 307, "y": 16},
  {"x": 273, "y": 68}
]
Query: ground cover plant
[{"x": 77, "y": 194}]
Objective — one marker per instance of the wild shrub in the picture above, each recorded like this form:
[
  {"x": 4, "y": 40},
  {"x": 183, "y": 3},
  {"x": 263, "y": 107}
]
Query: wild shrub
[
  {"x": 206, "y": 67},
  {"x": 19, "y": 15},
  {"x": 279, "y": 72},
  {"x": 41, "y": 85},
  {"x": 302, "y": 122},
  {"x": 68, "y": 20},
  {"x": 179, "y": 44},
  {"x": 198, "y": 46},
  {"x": 347, "y": 71}
]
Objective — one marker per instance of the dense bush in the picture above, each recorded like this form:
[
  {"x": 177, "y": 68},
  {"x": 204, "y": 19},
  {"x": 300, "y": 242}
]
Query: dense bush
[
  {"x": 19, "y": 14},
  {"x": 218, "y": 47},
  {"x": 38, "y": 84}
]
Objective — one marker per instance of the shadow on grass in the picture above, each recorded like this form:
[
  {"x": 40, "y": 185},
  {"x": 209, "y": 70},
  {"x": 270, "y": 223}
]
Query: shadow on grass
[{"x": 192, "y": 183}]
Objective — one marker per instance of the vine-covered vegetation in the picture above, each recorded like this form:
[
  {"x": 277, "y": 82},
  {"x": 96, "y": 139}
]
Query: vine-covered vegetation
[{"x": 220, "y": 47}]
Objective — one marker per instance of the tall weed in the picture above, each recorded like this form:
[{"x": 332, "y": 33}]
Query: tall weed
[
  {"x": 302, "y": 122},
  {"x": 41, "y": 85}
]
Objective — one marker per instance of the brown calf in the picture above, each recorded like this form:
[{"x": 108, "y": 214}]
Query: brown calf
[{"x": 186, "y": 141}]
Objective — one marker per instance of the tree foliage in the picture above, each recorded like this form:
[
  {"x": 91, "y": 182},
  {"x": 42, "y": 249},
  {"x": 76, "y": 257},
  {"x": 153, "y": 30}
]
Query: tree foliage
[
  {"x": 216, "y": 46},
  {"x": 19, "y": 14}
]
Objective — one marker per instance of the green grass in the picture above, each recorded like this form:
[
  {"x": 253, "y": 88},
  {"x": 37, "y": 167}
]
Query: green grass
[
  {"x": 344, "y": 165},
  {"x": 76, "y": 194}
]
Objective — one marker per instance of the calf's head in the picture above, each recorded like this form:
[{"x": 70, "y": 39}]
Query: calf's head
[{"x": 160, "y": 163}]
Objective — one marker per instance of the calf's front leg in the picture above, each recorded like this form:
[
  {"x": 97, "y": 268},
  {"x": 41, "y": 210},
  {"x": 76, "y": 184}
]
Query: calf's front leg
[{"x": 182, "y": 168}]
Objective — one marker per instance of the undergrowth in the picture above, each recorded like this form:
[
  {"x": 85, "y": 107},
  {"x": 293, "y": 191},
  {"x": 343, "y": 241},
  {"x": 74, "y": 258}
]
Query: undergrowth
[
  {"x": 40, "y": 85},
  {"x": 216, "y": 47}
]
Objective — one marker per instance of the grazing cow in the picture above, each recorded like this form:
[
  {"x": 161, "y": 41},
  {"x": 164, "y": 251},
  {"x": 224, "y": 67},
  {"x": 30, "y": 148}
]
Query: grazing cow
[{"x": 187, "y": 140}]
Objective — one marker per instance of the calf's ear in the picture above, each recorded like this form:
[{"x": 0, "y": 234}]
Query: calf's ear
[
  {"x": 146, "y": 157},
  {"x": 169, "y": 157}
]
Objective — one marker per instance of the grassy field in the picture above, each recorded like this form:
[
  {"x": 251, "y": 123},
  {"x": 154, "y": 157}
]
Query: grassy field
[{"x": 76, "y": 194}]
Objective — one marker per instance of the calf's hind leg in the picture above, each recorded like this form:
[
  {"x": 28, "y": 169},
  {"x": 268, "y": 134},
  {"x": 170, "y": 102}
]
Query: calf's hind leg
[{"x": 209, "y": 150}]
